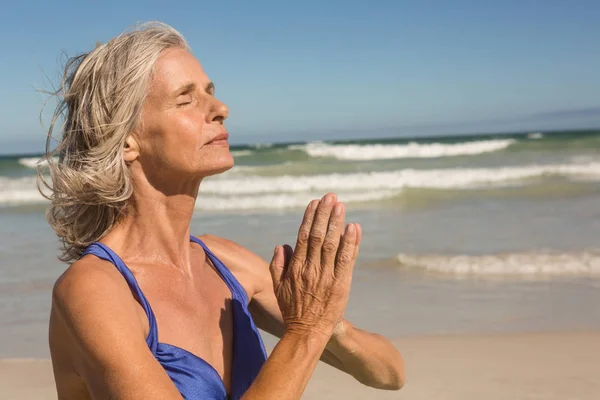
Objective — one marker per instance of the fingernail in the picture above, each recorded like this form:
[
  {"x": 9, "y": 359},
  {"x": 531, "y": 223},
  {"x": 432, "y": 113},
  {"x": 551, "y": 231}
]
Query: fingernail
[
  {"x": 313, "y": 204},
  {"x": 337, "y": 210},
  {"x": 327, "y": 200},
  {"x": 350, "y": 228},
  {"x": 275, "y": 251}
]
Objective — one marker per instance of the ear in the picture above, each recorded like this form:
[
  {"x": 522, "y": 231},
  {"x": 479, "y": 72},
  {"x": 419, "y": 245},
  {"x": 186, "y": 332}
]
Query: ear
[{"x": 132, "y": 149}]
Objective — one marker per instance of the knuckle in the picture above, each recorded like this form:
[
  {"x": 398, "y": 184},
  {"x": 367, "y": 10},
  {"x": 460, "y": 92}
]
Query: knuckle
[
  {"x": 349, "y": 240},
  {"x": 334, "y": 223},
  {"x": 308, "y": 219},
  {"x": 345, "y": 258},
  {"x": 317, "y": 237},
  {"x": 330, "y": 246},
  {"x": 323, "y": 214},
  {"x": 303, "y": 236}
]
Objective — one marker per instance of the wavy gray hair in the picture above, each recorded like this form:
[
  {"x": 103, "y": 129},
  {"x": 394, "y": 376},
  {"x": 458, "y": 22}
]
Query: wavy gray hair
[{"x": 100, "y": 100}]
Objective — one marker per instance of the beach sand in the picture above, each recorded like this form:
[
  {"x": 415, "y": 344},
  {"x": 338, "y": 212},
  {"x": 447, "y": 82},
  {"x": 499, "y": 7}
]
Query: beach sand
[{"x": 547, "y": 366}]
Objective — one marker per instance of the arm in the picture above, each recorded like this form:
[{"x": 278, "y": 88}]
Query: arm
[
  {"x": 286, "y": 372},
  {"x": 311, "y": 285},
  {"x": 95, "y": 320},
  {"x": 368, "y": 357}
]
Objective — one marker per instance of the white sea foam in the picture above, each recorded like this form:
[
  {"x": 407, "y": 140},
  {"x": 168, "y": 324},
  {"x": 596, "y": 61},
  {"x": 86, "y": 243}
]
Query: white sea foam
[
  {"x": 19, "y": 191},
  {"x": 22, "y": 191},
  {"x": 238, "y": 153},
  {"x": 32, "y": 162},
  {"x": 457, "y": 178},
  {"x": 410, "y": 150},
  {"x": 522, "y": 264},
  {"x": 263, "y": 191},
  {"x": 280, "y": 201},
  {"x": 585, "y": 159},
  {"x": 261, "y": 145}
]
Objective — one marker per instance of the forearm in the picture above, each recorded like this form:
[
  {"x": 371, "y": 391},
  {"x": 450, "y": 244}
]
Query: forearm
[
  {"x": 368, "y": 357},
  {"x": 288, "y": 369}
]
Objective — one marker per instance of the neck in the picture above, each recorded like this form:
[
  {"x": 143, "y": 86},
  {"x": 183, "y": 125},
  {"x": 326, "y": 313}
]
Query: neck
[{"x": 156, "y": 229}]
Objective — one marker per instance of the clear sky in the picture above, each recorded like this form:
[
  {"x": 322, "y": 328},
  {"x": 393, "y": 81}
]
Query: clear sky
[{"x": 295, "y": 70}]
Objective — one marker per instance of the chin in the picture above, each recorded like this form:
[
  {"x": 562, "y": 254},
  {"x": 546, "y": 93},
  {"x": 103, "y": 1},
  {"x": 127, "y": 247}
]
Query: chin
[{"x": 217, "y": 166}]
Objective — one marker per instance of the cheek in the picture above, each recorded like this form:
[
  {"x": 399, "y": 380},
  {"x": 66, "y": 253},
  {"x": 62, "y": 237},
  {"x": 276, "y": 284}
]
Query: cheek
[
  {"x": 187, "y": 127},
  {"x": 181, "y": 137},
  {"x": 186, "y": 139},
  {"x": 176, "y": 140}
]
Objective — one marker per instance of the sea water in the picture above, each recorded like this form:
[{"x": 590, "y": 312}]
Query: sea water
[{"x": 464, "y": 234}]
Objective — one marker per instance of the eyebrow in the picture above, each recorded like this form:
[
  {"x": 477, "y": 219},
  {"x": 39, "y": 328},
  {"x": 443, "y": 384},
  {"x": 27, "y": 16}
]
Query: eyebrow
[{"x": 190, "y": 87}]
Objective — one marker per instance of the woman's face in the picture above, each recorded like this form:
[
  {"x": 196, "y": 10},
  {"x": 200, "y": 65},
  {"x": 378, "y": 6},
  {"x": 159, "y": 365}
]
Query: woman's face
[{"x": 182, "y": 132}]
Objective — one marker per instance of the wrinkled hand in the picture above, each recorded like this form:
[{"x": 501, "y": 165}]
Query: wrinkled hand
[{"x": 312, "y": 282}]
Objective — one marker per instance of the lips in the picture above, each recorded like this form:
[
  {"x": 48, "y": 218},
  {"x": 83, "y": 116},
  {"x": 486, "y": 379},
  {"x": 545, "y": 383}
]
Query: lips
[{"x": 219, "y": 139}]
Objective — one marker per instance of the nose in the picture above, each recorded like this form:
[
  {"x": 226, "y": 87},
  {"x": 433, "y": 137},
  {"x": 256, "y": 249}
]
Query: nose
[{"x": 220, "y": 112}]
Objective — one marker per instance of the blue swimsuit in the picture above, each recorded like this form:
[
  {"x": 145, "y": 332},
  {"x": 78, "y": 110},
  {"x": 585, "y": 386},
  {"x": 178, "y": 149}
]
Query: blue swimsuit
[{"x": 195, "y": 378}]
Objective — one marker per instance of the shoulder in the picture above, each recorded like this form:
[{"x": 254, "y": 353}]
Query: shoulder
[
  {"x": 251, "y": 270},
  {"x": 85, "y": 279},
  {"x": 71, "y": 298},
  {"x": 96, "y": 328},
  {"x": 87, "y": 295}
]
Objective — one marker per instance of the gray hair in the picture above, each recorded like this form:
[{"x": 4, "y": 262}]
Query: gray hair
[{"x": 100, "y": 100}]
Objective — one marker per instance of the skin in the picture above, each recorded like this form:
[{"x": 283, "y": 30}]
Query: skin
[{"x": 98, "y": 328}]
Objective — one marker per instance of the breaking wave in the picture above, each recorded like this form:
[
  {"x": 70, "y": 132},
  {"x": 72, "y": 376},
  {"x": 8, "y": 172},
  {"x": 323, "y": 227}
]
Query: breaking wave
[
  {"x": 523, "y": 264},
  {"x": 234, "y": 191},
  {"x": 409, "y": 150}
]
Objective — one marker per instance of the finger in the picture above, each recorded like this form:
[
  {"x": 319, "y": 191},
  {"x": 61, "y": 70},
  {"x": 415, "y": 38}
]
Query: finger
[
  {"x": 304, "y": 232},
  {"x": 277, "y": 267},
  {"x": 319, "y": 228},
  {"x": 288, "y": 253},
  {"x": 345, "y": 257},
  {"x": 333, "y": 236},
  {"x": 358, "y": 239}
]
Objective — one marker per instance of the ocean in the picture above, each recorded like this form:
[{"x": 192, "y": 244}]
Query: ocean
[{"x": 462, "y": 234}]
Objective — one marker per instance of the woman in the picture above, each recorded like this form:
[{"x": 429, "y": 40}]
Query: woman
[{"x": 147, "y": 311}]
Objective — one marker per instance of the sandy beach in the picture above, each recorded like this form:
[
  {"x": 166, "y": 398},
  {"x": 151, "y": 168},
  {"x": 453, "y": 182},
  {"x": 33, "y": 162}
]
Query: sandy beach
[{"x": 545, "y": 366}]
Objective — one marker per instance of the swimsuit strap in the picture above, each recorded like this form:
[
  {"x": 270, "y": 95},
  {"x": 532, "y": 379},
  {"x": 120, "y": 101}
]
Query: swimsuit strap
[
  {"x": 234, "y": 285},
  {"x": 103, "y": 252}
]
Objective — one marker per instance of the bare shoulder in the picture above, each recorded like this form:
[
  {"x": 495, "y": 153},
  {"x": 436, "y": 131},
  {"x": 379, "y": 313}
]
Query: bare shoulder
[
  {"x": 249, "y": 268},
  {"x": 85, "y": 298},
  {"x": 84, "y": 283},
  {"x": 89, "y": 290},
  {"x": 85, "y": 274}
]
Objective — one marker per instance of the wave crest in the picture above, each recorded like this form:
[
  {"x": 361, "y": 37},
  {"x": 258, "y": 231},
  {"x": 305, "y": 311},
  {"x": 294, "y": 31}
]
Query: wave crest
[
  {"x": 32, "y": 162},
  {"x": 453, "y": 178},
  {"x": 410, "y": 150},
  {"x": 524, "y": 264},
  {"x": 255, "y": 191}
]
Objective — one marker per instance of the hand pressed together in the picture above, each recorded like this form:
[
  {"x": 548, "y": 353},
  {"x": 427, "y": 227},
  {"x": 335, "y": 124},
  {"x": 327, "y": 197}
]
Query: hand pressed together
[{"x": 312, "y": 282}]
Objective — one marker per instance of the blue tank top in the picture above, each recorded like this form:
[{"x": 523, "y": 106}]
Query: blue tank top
[{"x": 195, "y": 378}]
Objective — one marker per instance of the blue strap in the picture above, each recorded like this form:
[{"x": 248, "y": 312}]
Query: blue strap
[
  {"x": 105, "y": 253},
  {"x": 230, "y": 280}
]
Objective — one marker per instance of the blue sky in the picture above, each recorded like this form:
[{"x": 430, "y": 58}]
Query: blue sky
[{"x": 321, "y": 69}]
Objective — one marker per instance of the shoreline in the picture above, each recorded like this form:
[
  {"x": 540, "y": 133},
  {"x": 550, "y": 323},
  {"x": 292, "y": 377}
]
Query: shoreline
[{"x": 537, "y": 365}]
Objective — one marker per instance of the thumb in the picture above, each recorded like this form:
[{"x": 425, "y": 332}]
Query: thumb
[{"x": 276, "y": 266}]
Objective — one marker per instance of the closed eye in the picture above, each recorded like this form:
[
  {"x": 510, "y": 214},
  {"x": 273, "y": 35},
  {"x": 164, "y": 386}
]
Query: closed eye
[{"x": 183, "y": 100}]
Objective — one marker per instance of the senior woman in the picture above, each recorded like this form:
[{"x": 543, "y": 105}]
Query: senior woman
[{"x": 148, "y": 311}]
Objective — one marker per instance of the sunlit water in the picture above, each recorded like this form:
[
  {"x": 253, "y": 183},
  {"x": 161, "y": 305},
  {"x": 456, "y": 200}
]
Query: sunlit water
[{"x": 487, "y": 235}]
